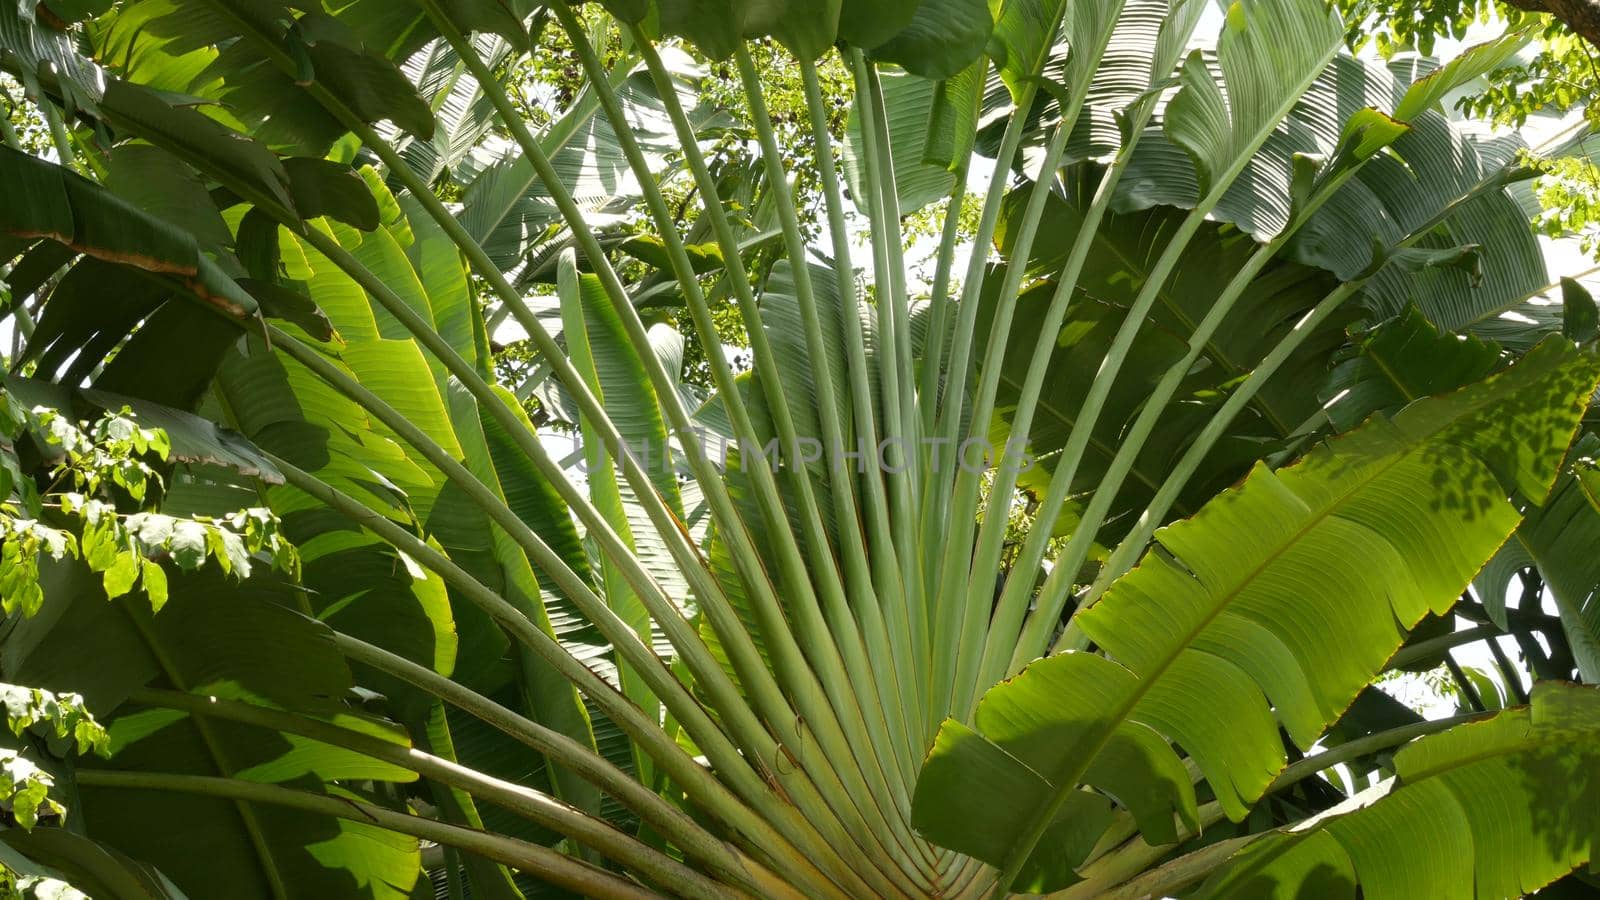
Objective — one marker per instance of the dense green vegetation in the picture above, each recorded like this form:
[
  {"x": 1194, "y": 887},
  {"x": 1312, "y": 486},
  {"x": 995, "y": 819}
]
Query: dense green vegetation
[{"x": 500, "y": 449}]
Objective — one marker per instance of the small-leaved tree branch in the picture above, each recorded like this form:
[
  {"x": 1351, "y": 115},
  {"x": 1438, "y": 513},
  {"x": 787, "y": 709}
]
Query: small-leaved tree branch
[{"x": 1582, "y": 16}]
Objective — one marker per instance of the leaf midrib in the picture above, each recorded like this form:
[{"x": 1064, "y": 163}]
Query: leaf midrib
[{"x": 247, "y": 816}]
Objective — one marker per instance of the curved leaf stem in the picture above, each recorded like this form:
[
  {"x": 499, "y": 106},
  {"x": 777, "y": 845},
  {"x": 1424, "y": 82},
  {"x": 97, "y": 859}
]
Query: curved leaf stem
[
  {"x": 650, "y": 806},
  {"x": 533, "y": 805},
  {"x": 919, "y": 605},
  {"x": 1126, "y": 553},
  {"x": 797, "y": 738},
  {"x": 1356, "y": 748},
  {"x": 907, "y": 646},
  {"x": 1069, "y": 562},
  {"x": 901, "y": 424},
  {"x": 1001, "y": 644},
  {"x": 696, "y": 780},
  {"x": 684, "y": 553},
  {"x": 838, "y": 678},
  {"x": 936, "y": 506},
  {"x": 557, "y": 868},
  {"x": 8, "y": 135},
  {"x": 832, "y": 676},
  {"x": 896, "y": 455},
  {"x": 771, "y": 501},
  {"x": 653, "y": 595},
  {"x": 1001, "y": 647},
  {"x": 1180, "y": 873},
  {"x": 935, "y": 342},
  {"x": 976, "y": 596},
  {"x": 623, "y": 637},
  {"x": 713, "y": 601},
  {"x": 827, "y": 748},
  {"x": 1431, "y": 647},
  {"x": 736, "y": 712},
  {"x": 846, "y": 515}
]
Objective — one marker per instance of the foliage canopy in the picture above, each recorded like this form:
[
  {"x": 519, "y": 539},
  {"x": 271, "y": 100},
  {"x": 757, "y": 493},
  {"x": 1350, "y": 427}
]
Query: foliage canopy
[{"x": 1070, "y": 569}]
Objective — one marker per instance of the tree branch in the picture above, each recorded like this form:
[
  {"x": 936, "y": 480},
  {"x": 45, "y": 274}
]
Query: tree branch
[{"x": 1582, "y": 16}]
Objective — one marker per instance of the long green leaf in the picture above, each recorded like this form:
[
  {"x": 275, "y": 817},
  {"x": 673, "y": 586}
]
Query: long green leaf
[
  {"x": 230, "y": 641},
  {"x": 1498, "y": 808},
  {"x": 1234, "y": 602}
]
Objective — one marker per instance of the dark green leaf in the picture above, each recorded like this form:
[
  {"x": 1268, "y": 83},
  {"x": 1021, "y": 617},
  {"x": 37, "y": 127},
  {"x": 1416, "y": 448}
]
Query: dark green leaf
[
  {"x": 1580, "y": 318},
  {"x": 942, "y": 39}
]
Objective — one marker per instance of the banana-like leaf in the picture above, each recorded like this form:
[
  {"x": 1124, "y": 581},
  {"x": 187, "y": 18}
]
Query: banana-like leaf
[
  {"x": 1580, "y": 318},
  {"x": 1399, "y": 362},
  {"x": 59, "y": 205},
  {"x": 717, "y": 27},
  {"x": 1023, "y": 31},
  {"x": 1432, "y": 165},
  {"x": 325, "y": 188},
  {"x": 781, "y": 317},
  {"x": 1475, "y": 62},
  {"x": 613, "y": 371},
  {"x": 869, "y": 23},
  {"x": 31, "y": 50},
  {"x": 337, "y": 441},
  {"x": 213, "y": 49},
  {"x": 509, "y": 211},
  {"x": 1407, "y": 359},
  {"x": 237, "y": 159},
  {"x": 1558, "y": 539},
  {"x": 89, "y": 868},
  {"x": 463, "y": 114},
  {"x": 943, "y": 38},
  {"x": 235, "y": 641},
  {"x": 155, "y": 181},
  {"x": 1263, "y": 47},
  {"x": 1125, "y": 249},
  {"x": 1233, "y": 605},
  {"x": 434, "y": 733},
  {"x": 912, "y": 103},
  {"x": 1275, "y": 604},
  {"x": 128, "y": 333},
  {"x": 1383, "y": 197},
  {"x": 1498, "y": 808}
]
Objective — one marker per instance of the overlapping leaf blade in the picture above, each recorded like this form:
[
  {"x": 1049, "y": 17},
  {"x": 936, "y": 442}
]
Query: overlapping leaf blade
[
  {"x": 1498, "y": 808},
  {"x": 1247, "y": 603}
]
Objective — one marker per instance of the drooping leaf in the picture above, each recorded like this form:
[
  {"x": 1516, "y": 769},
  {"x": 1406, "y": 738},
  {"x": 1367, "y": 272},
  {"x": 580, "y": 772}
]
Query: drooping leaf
[
  {"x": 1399, "y": 362},
  {"x": 1262, "y": 47},
  {"x": 1249, "y": 618},
  {"x": 193, "y": 439},
  {"x": 365, "y": 81},
  {"x": 942, "y": 39},
  {"x": 1025, "y": 31},
  {"x": 325, "y": 188},
  {"x": 201, "y": 141},
  {"x": 1471, "y": 63},
  {"x": 1580, "y": 318},
  {"x": 1498, "y": 808},
  {"x": 1558, "y": 537},
  {"x": 67, "y": 208},
  {"x": 68, "y": 866},
  {"x": 160, "y": 184},
  {"x": 869, "y": 23},
  {"x": 221, "y": 640}
]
